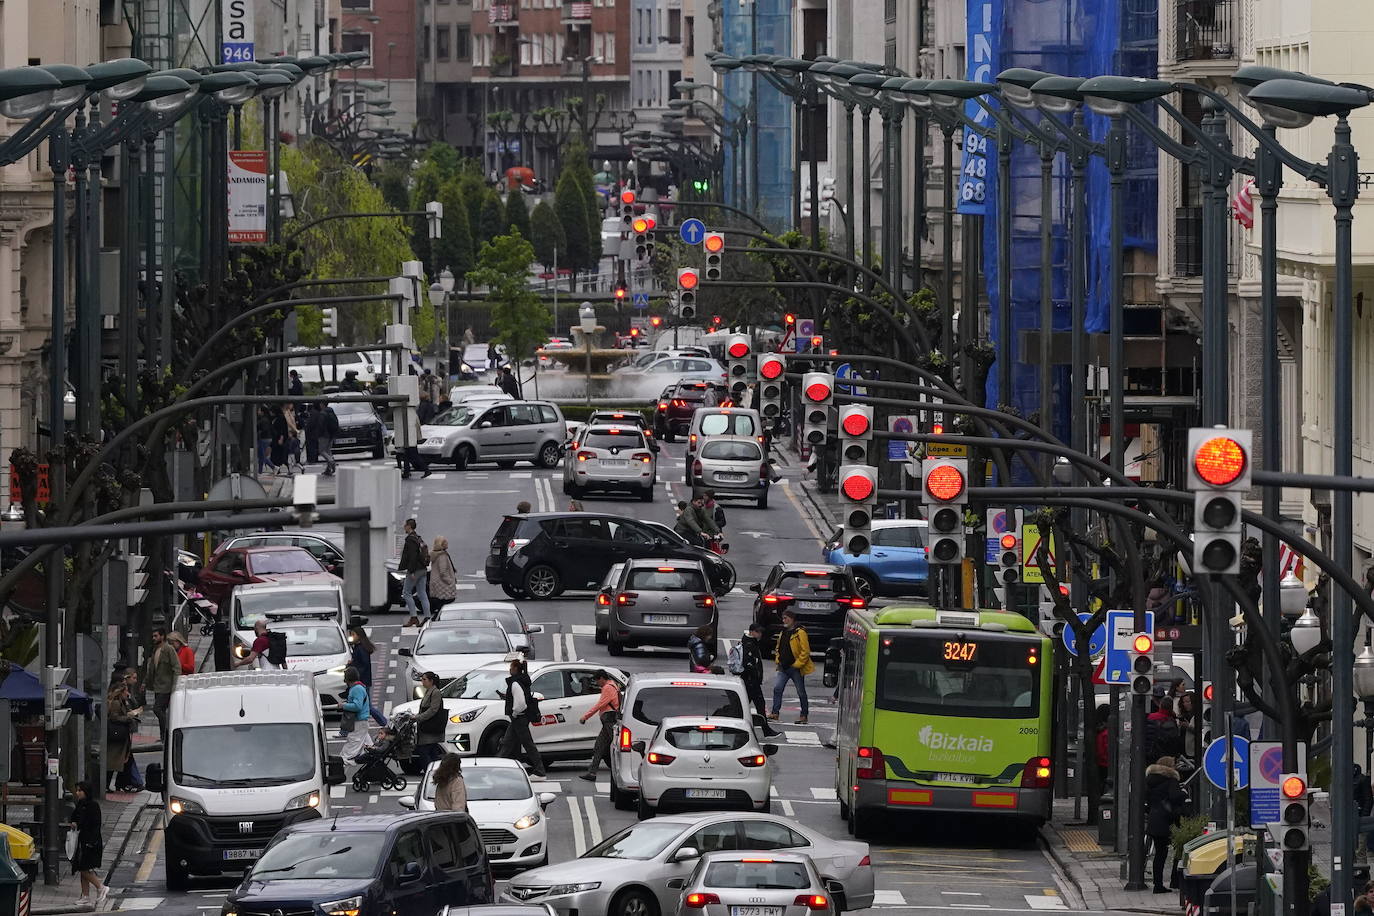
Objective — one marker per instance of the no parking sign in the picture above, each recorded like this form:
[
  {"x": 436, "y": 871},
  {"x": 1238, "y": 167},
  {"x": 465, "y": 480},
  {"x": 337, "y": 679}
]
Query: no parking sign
[{"x": 1266, "y": 772}]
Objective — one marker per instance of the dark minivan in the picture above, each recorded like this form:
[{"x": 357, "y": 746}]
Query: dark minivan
[
  {"x": 372, "y": 865},
  {"x": 542, "y": 554}
]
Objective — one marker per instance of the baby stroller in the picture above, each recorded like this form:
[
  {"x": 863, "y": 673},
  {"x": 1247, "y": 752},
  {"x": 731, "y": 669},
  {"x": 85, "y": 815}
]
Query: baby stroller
[{"x": 395, "y": 743}]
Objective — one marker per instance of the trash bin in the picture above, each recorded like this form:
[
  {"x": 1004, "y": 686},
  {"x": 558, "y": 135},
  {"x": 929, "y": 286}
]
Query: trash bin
[
  {"x": 1217, "y": 900},
  {"x": 13, "y": 883},
  {"x": 1204, "y": 858}
]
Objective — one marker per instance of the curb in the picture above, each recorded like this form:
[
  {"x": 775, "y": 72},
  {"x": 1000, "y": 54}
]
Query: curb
[
  {"x": 818, "y": 510},
  {"x": 126, "y": 823},
  {"x": 1052, "y": 844}
]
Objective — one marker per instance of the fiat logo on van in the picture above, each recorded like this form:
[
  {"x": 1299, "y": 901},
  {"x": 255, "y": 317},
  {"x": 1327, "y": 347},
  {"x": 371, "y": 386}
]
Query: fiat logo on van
[{"x": 245, "y": 826}]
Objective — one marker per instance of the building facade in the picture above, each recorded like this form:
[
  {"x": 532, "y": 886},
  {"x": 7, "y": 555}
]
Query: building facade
[
  {"x": 450, "y": 105},
  {"x": 388, "y": 30}
]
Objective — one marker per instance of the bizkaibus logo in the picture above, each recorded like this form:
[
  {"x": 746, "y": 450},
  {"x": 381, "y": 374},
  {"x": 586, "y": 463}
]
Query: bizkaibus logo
[{"x": 939, "y": 741}]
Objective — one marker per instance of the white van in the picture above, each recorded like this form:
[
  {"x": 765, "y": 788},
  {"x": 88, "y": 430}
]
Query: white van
[{"x": 245, "y": 757}]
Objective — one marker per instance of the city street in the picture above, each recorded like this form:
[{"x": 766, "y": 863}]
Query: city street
[{"x": 919, "y": 866}]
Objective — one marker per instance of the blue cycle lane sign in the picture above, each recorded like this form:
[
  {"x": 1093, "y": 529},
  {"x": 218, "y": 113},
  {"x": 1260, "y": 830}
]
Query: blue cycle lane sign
[
  {"x": 692, "y": 231},
  {"x": 1215, "y": 762}
]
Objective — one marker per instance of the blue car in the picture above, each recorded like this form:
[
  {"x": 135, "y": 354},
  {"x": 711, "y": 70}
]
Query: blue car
[{"x": 894, "y": 565}]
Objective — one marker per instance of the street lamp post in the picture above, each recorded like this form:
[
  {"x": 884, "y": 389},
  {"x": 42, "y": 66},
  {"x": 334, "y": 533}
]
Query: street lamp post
[{"x": 586, "y": 316}]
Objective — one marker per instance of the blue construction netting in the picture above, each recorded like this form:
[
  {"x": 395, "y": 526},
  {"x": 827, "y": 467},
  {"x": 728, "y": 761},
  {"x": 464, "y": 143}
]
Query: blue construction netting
[{"x": 1073, "y": 38}]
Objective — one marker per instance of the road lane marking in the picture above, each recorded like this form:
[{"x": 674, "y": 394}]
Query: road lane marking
[
  {"x": 962, "y": 893},
  {"x": 593, "y": 821},
  {"x": 809, "y": 739},
  {"x": 888, "y": 898},
  {"x": 569, "y": 652},
  {"x": 584, "y": 629},
  {"x": 787, "y": 808},
  {"x": 520, "y": 475},
  {"x": 140, "y": 903},
  {"x": 558, "y": 648},
  {"x": 579, "y": 839},
  {"x": 1040, "y": 902},
  {"x": 823, "y": 794},
  {"x": 145, "y": 869}
]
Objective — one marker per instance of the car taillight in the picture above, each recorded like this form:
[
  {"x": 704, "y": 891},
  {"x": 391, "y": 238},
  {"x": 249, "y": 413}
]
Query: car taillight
[
  {"x": 662, "y": 405},
  {"x": 1037, "y": 774},
  {"x": 625, "y": 739},
  {"x": 854, "y": 601},
  {"x": 763, "y": 471},
  {"x": 771, "y": 599},
  {"x": 870, "y": 764},
  {"x": 692, "y": 441},
  {"x": 754, "y": 760},
  {"x": 516, "y": 543},
  {"x": 603, "y": 599},
  {"x": 697, "y": 901},
  {"x": 865, "y": 862},
  {"x": 812, "y": 901},
  {"x": 642, "y": 456},
  {"x": 626, "y": 599},
  {"x": 696, "y": 467},
  {"x": 679, "y": 402},
  {"x": 704, "y": 600},
  {"x": 583, "y": 456},
  {"x": 660, "y": 759}
]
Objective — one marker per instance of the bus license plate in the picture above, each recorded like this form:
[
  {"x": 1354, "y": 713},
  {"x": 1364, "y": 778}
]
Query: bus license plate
[
  {"x": 493, "y": 848},
  {"x": 665, "y": 618},
  {"x": 240, "y": 855},
  {"x": 755, "y": 911},
  {"x": 956, "y": 777},
  {"x": 714, "y": 794}
]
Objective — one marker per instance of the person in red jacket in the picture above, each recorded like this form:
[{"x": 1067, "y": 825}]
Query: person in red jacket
[{"x": 185, "y": 654}]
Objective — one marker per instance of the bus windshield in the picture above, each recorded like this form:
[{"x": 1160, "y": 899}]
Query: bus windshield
[{"x": 967, "y": 675}]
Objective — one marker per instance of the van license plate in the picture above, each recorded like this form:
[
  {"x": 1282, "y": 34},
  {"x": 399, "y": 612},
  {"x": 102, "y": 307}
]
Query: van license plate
[
  {"x": 239, "y": 855},
  {"x": 706, "y": 793},
  {"x": 665, "y": 618},
  {"x": 755, "y": 911},
  {"x": 493, "y": 848},
  {"x": 736, "y": 477}
]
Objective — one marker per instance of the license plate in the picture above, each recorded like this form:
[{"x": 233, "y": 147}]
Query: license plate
[
  {"x": 706, "y": 793},
  {"x": 615, "y": 462},
  {"x": 956, "y": 777},
  {"x": 665, "y": 618},
  {"x": 345, "y": 441},
  {"x": 814, "y": 605},
  {"x": 239, "y": 855},
  {"x": 755, "y": 911},
  {"x": 735, "y": 477},
  {"x": 493, "y": 848}
]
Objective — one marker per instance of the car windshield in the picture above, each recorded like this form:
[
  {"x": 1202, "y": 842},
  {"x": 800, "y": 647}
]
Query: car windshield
[
  {"x": 625, "y": 438},
  {"x": 320, "y": 640},
  {"x": 509, "y": 620},
  {"x": 491, "y": 784},
  {"x": 299, "y": 856},
  {"x": 354, "y": 412},
  {"x": 654, "y": 704},
  {"x": 483, "y": 684},
  {"x": 250, "y": 607},
  {"x": 256, "y": 754},
  {"x": 461, "y": 641},
  {"x": 642, "y": 841},
  {"x": 666, "y": 579},
  {"x": 279, "y": 562},
  {"x": 737, "y": 450},
  {"x": 727, "y": 424},
  {"x": 690, "y": 393},
  {"x": 457, "y": 415},
  {"x": 706, "y": 738},
  {"x": 760, "y": 876}
]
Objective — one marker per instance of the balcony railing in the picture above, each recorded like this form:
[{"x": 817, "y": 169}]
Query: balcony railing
[
  {"x": 502, "y": 14},
  {"x": 577, "y": 10},
  {"x": 1205, "y": 30},
  {"x": 1187, "y": 241},
  {"x": 503, "y": 68}
]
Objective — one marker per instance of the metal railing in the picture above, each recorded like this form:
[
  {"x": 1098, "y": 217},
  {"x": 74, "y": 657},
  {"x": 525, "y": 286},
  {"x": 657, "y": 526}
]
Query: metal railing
[{"x": 1205, "y": 30}]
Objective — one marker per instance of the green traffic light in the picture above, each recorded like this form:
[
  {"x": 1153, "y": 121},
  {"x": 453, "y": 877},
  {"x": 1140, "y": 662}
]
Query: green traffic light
[{"x": 701, "y": 185}]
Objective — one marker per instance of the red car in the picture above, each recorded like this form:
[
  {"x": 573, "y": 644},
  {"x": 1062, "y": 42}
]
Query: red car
[
  {"x": 238, "y": 565},
  {"x": 678, "y": 402}
]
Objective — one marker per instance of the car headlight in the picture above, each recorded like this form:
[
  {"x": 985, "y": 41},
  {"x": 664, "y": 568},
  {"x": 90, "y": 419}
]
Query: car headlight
[
  {"x": 561, "y": 889},
  {"x": 414, "y": 674},
  {"x": 184, "y": 806},
  {"x": 346, "y": 906},
  {"x": 528, "y": 821},
  {"x": 228, "y": 910},
  {"x": 435, "y": 440},
  {"x": 466, "y": 716},
  {"x": 337, "y": 672},
  {"x": 186, "y": 559},
  {"x": 308, "y": 800}
]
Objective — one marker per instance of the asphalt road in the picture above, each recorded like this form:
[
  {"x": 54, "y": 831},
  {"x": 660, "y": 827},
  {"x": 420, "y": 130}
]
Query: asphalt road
[{"x": 935, "y": 864}]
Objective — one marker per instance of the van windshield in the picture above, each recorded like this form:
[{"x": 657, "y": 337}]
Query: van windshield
[
  {"x": 250, "y": 607},
  {"x": 727, "y": 424},
  {"x": 258, "y": 754},
  {"x": 297, "y": 856}
]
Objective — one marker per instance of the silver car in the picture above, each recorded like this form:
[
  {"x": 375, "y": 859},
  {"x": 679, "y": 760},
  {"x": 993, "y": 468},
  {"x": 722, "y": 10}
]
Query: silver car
[
  {"x": 504, "y": 433},
  {"x": 602, "y": 617},
  {"x": 644, "y": 868},
  {"x": 611, "y": 458},
  {"x": 731, "y": 466},
  {"x": 749, "y": 884},
  {"x": 504, "y": 613},
  {"x": 659, "y": 602},
  {"x": 703, "y": 762}
]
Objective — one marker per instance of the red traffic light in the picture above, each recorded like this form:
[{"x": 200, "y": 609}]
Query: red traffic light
[
  {"x": 818, "y": 392},
  {"x": 772, "y": 367},
  {"x": 687, "y": 278},
  {"x": 856, "y": 423},
  {"x": 1008, "y": 541},
  {"x": 945, "y": 482},
  {"x": 738, "y": 349},
  {"x": 857, "y": 486},
  {"x": 1293, "y": 787},
  {"x": 655, "y": 321},
  {"x": 1220, "y": 461},
  {"x": 640, "y": 224},
  {"x": 1208, "y": 691},
  {"x": 937, "y": 428},
  {"x": 817, "y": 341},
  {"x": 713, "y": 242},
  {"x": 620, "y": 292},
  {"x": 1142, "y": 643},
  {"x": 627, "y": 196},
  {"x": 651, "y": 221},
  {"x": 789, "y": 318}
]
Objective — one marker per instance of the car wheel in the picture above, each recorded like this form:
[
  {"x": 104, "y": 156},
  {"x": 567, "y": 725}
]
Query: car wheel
[
  {"x": 647, "y": 495},
  {"x": 490, "y": 745},
  {"x": 767, "y": 806},
  {"x": 505, "y": 465},
  {"x": 622, "y": 800},
  {"x": 512, "y": 591},
  {"x": 542, "y": 582},
  {"x": 866, "y": 583},
  {"x": 643, "y": 808},
  {"x": 600, "y": 637},
  {"x": 178, "y": 879},
  {"x": 668, "y": 435},
  {"x": 860, "y": 823},
  {"x": 567, "y": 487},
  {"x": 763, "y": 500},
  {"x": 614, "y": 646},
  {"x": 462, "y": 456},
  {"x": 633, "y": 902},
  {"x": 549, "y": 455}
]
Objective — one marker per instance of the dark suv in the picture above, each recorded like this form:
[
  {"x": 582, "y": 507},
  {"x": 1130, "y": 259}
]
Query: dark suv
[
  {"x": 370, "y": 865},
  {"x": 677, "y": 404},
  {"x": 818, "y": 593},
  {"x": 360, "y": 428},
  {"x": 540, "y": 555}
]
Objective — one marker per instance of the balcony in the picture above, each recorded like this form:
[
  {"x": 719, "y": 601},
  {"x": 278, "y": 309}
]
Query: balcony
[
  {"x": 1187, "y": 241},
  {"x": 503, "y": 14},
  {"x": 1205, "y": 30},
  {"x": 577, "y": 11}
]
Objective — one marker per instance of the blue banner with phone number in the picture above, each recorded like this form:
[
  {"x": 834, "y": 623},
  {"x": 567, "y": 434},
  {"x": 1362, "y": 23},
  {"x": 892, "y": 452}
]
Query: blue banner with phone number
[{"x": 984, "y": 38}]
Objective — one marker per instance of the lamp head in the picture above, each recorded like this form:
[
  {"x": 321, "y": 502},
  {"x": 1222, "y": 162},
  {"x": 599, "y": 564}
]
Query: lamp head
[
  {"x": 891, "y": 91},
  {"x": 793, "y": 65},
  {"x": 313, "y": 63},
  {"x": 27, "y": 92},
  {"x": 1315, "y": 100},
  {"x": 1248, "y": 77},
  {"x": 119, "y": 79},
  {"x": 1306, "y": 632},
  {"x": 915, "y": 93},
  {"x": 1058, "y": 94},
  {"x": 1364, "y": 674},
  {"x": 950, "y": 94},
  {"x": 1114, "y": 95},
  {"x": 1016, "y": 85},
  {"x": 162, "y": 93},
  {"x": 231, "y": 88},
  {"x": 272, "y": 84},
  {"x": 74, "y": 81},
  {"x": 725, "y": 64},
  {"x": 866, "y": 84}
]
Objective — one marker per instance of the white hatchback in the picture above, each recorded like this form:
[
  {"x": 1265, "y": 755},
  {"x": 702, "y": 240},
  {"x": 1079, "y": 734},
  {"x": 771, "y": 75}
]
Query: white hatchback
[
  {"x": 611, "y": 458},
  {"x": 451, "y": 650},
  {"x": 697, "y": 762}
]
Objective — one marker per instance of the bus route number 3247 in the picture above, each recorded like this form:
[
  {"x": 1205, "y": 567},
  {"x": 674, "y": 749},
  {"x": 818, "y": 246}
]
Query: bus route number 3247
[{"x": 960, "y": 651}]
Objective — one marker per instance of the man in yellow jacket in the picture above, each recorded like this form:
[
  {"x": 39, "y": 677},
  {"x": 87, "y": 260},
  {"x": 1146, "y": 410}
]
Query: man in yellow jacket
[{"x": 793, "y": 655}]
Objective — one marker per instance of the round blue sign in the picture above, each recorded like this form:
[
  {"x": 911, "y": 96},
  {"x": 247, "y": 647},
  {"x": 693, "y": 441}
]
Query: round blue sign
[
  {"x": 1214, "y": 762},
  {"x": 692, "y": 231},
  {"x": 1097, "y": 644}
]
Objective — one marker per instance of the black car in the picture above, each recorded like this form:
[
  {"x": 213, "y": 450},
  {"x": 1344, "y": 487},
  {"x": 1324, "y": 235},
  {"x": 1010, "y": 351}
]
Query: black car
[
  {"x": 542, "y": 554},
  {"x": 360, "y": 428},
  {"x": 678, "y": 402},
  {"x": 818, "y": 593},
  {"x": 373, "y": 865}
]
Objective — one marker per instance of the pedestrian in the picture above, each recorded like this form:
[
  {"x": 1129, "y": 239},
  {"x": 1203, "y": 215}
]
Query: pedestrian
[
  {"x": 294, "y": 386},
  {"x": 450, "y": 788},
  {"x": 521, "y": 709},
  {"x": 750, "y": 665},
  {"x": 280, "y": 453},
  {"x": 793, "y": 656},
  {"x": 414, "y": 564},
  {"x": 443, "y": 576},
  {"x": 424, "y": 414},
  {"x": 430, "y": 386},
  {"x": 493, "y": 356},
  {"x": 260, "y": 650},
  {"x": 522, "y": 507},
  {"x": 1164, "y": 801},
  {"x": 357, "y": 713},
  {"x": 122, "y": 720},
  {"x": 311, "y": 420},
  {"x": 326, "y": 434},
  {"x": 293, "y": 438},
  {"x": 687, "y": 526},
  {"x": 1187, "y": 725},
  {"x": 360, "y": 657},
  {"x": 186, "y": 656},
  {"x": 265, "y": 440},
  {"x": 1163, "y": 738},
  {"x": 700, "y": 650},
  {"x": 430, "y": 721},
  {"x": 160, "y": 676},
  {"x": 607, "y": 707},
  {"x": 706, "y": 519},
  {"x": 506, "y": 381},
  {"x": 410, "y": 458},
  {"x": 90, "y": 845},
  {"x": 350, "y": 382},
  {"x": 469, "y": 336}
]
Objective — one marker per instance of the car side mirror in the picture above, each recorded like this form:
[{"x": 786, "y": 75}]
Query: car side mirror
[
  {"x": 409, "y": 872},
  {"x": 405, "y": 653},
  {"x": 831, "y": 676},
  {"x": 534, "y": 629},
  {"x": 334, "y": 774},
  {"x": 685, "y": 853},
  {"x": 407, "y": 801},
  {"x": 547, "y": 798},
  {"x": 756, "y": 588},
  {"x": 638, "y": 747},
  {"x": 152, "y": 778},
  {"x": 770, "y": 749},
  {"x": 484, "y": 424}
]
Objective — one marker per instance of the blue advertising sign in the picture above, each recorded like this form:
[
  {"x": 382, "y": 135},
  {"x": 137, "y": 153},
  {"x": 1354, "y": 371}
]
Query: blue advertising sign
[
  {"x": 692, "y": 231},
  {"x": 984, "y": 31},
  {"x": 1214, "y": 762}
]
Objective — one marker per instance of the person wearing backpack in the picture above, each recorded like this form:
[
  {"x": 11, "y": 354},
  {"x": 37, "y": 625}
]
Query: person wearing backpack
[
  {"x": 415, "y": 564},
  {"x": 699, "y": 654},
  {"x": 746, "y": 661},
  {"x": 268, "y": 652},
  {"x": 522, "y": 709}
]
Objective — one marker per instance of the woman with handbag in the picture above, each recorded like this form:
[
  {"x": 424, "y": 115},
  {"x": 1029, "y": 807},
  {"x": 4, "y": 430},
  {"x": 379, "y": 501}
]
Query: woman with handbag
[
  {"x": 89, "y": 846},
  {"x": 443, "y": 576},
  {"x": 1164, "y": 801},
  {"x": 121, "y": 715}
]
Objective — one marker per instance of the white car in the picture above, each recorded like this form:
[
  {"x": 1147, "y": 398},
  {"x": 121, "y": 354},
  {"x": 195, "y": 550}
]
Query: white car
[
  {"x": 611, "y": 458},
  {"x": 463, "y": 394},
  {"x": 318, "y": 646},
  {"x": 476, "y": 707},
  {"x": 644, "y": 360},
  {"x": 703, "y": 762},
  {"x": 509, "y": 813},
  {"x": 451, "y": 650},
  {"x": 504, "y": 613},
  {"x": 775, "y": 883}
]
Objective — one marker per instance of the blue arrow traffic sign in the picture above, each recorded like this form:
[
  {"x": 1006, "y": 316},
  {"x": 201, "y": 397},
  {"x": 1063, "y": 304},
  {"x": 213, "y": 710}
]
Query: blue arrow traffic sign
[
  {"x": 641, "y": 300},
  {"x": 692, "y": 231},
  {"x": 844, "y": 370},
  {"x": 1214, "y": 762},
  {"x": 1097, "y": 643}
]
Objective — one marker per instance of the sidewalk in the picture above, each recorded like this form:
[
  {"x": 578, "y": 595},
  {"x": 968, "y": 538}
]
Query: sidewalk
[{"x": 1096, "y": 873}]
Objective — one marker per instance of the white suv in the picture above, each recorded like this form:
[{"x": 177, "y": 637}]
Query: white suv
[{"x": 616, "y": 458}]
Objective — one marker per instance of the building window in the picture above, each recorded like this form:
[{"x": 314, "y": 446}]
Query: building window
[
  {"x": 424, "y": 43},
  {"x": 689, "y": 43},
  {"x": 351, "y": 43},
  {"x": 354, "y": 5},
  {"x": 462, "y": 42},
  {"x": 608, "y": 48},
  {"x": 675, "y": 26},
  {"x": 442, "y": 37}
]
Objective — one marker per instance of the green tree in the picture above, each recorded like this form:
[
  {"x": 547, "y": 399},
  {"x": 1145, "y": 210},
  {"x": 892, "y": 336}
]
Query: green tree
[
  {"x": 393, "y": 178},
  {"x": 546, "y": 234},
  {"x": 455, "y": 249},
  {"x": 519, "y": 316},
  {"x": 577, "y": 160},
  {"x": 492, "y": 221},
  {"x": 570, "y": 208},
  {"x": 474, "y": 194},
  {"x": 517, "y": 214}
]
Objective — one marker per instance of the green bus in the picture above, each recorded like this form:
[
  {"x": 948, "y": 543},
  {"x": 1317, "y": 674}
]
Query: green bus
[{"x": 941, "y": 711}]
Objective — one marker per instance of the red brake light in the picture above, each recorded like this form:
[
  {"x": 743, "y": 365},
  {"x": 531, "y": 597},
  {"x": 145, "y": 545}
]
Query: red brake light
[
  {"x": 758, "y": 861},
  {"x": 865, "y": 862},
  {"x": 812, "y": 901},
  {"x": 625, "y": 738},
  {"x": 662, "y": 405},
  {"x": 666, "y": 569},
  {"x": 642, "y": 456},
  {"x": 687, "y": 684},
  {"x": 603, "y": 599},
  {"x": 583, "y": 456},
  {"x": 660, "y": 759},
  {"x": 815, "y": 572},
  {"x": 1037, "y": 773},
  {"x": 770, "y": 599},
  {"x": 626, "y": 599},
  {"x": 754, "y": 760},
  {"x": 704, "y": 600},
  {"x": 697, "y": 901},
  {"x": 870, "y": 764},
  {"x": 706, "y": 728}
]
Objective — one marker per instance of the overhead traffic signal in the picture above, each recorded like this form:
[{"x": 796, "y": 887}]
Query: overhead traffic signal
[
  {"x": 55, "y": 695},
  {"x": 738, "y": 353},
  {"x": 714, "y": 245},
  {"x": 856, "y": 432},
  {"x": 329, "y": 322},
  {"x": 688, "y": 279},
  {"x": 137, "y": 565},
  {"x": 1207, "y": 692},
  {"x": 1219, "y": 472},
  {"x": 627, "y": 207},
  {"x": 1294, "y": 813},
  {"x": 640, "y": 225},
  {"x": 1009, "y": 550},
  {"x": 944, "y": 483},
  {"x": 859, "y": 492},
  {"x": 818, "y": 392},
  {"x": 772, "y": 367},
  {"x": 621, "y": 292},
  {"x": 1142, "y": 655}
]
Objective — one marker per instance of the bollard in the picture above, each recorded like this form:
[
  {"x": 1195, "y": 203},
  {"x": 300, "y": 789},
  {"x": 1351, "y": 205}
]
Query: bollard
[{"x": 1106, "y": 818}]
